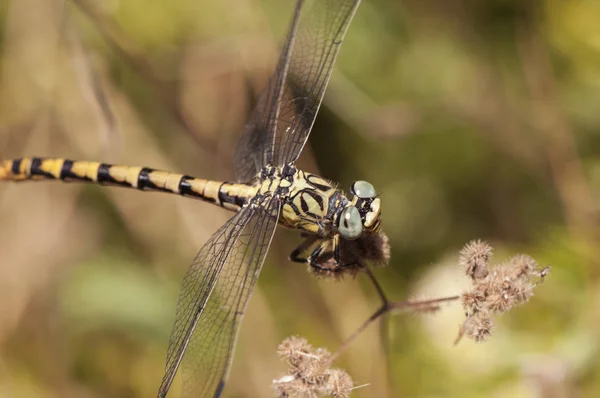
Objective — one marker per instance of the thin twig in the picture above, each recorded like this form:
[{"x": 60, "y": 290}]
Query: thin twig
[
  {"x": 384, "y": 299},
  {"x": 390, "y": 306},
  {"x": 420, "y": 305}
]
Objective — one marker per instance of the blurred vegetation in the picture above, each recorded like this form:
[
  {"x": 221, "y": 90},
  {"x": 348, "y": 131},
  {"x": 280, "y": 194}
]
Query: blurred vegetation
[{"x": 474, "y": 119}]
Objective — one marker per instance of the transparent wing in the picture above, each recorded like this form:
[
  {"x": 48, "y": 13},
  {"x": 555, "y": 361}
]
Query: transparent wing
[
  {"x": 213, "y": 298},
  {"x": 255, "y": 147},
  {"x": 282, "y": 120}
]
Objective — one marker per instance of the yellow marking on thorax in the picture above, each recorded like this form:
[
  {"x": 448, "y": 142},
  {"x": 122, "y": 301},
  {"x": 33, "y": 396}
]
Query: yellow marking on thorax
[
  {"x": 303, "y": 192},
  {"x": 285, "y": 183},
  {"x": 290, "y": 219},
  {"x": 312, "y": 178}
]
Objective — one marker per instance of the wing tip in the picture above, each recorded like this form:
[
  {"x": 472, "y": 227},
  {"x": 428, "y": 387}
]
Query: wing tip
[{"x": 219, "y": 389}]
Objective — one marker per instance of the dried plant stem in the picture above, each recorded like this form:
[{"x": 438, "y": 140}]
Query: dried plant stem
[
  {"x": 420, "y": 305},
  {"x": 382, "y": 296},
  {"x": 391, "y": 306}
]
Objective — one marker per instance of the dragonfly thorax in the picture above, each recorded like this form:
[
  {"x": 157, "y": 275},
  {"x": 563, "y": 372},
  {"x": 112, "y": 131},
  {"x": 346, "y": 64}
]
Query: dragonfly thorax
[
  {"x": 308, "y": 202},
  {"x": 314, "y": 205}
]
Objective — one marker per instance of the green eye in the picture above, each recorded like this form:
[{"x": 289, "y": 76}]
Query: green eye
[
  {"x": 363, "y": 189},
  {"x": 350, "y": 225}
]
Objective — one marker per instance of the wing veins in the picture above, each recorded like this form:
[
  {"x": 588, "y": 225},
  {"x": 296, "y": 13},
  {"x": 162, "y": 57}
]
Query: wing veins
[
  {"x": 285, "y": 114},
  {"x": 325, "y": 63},
  {"x": 281, "y": 77},
  {"x": 213, "y": 298},
  {"x": 175, "y": 356},
  {"x": 260, "y": 227}
]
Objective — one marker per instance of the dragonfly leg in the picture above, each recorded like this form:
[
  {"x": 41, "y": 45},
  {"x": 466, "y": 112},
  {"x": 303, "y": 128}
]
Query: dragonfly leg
[
  {"x": 296, "y": 254},
  {"x": 336, "y": 249},
  {"x": 331, "y": 246}
]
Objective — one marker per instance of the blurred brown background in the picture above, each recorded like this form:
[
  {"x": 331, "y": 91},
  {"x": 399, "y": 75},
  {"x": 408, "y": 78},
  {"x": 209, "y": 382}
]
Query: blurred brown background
[{"x": 474, "y": 119}]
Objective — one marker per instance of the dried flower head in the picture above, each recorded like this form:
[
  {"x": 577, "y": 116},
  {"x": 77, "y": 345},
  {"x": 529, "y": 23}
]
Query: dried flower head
[
  {"x": 474, "y": 258},
  {"x": 339, "y": 383},
  {"x": 496, "y": 289},
  {"x": 478, "y": 327},
  {"x": 310, "y": 374},
  {"x": 295, "y": 350},
  {"x": 523, "y": 265},
  {"x": 472, "y": 301}
]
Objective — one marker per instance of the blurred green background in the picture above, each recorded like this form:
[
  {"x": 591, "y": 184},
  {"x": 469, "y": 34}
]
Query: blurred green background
[{"x": 474, "y": 119}]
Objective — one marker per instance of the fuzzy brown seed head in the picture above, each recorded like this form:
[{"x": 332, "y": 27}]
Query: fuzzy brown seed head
[
  {"x": 523, "y": 265},
  {"x": 310, "y": 374},
  {"x": 472, "y": 301},
  {"x": 339, "y": 384},
  {"x": 498, "y": 302},
  {"x": 478, "y": 327},
  {"x": 495, "y": 289},
  {"x": 474, "y": 258},
  {"x": 507, "y": 286},
  {"x": 299, "y": 355}
]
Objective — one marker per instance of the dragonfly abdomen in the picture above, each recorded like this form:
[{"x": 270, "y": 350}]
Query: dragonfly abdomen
[{"x": 228, "y": 195}]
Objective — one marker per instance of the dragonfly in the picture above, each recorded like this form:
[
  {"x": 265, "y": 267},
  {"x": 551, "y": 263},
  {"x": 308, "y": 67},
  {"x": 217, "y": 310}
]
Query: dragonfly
[{"x": 341, "y": 232}]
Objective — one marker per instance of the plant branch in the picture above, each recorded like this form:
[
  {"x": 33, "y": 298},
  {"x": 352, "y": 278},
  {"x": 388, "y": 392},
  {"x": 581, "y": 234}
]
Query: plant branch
[{"x": 429, "y": 305}]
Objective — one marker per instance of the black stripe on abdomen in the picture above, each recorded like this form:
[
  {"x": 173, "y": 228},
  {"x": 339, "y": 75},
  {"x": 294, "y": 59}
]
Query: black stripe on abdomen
[
  {"x": 35, "y": 169},
  {"x": 224, "y": 197},
  {"x": 103, "y": 176},
  {"x": 16, "y": 166},
  {"x": 145, "y": 182},
  {"x": 66, "y": 173},
  {"x": 185, "y": 189}
]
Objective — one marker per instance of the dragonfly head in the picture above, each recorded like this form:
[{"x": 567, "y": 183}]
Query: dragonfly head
[{"x": 362, "y": 214}]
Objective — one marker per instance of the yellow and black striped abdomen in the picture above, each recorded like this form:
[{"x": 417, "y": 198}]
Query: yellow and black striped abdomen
[{"x": 228, "y": 195}]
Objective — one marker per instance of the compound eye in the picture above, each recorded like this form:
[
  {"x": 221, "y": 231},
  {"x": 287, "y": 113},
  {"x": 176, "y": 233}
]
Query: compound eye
[
  {"x": 363, "y": 189},
  {"x": 350, "y": 226}
]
